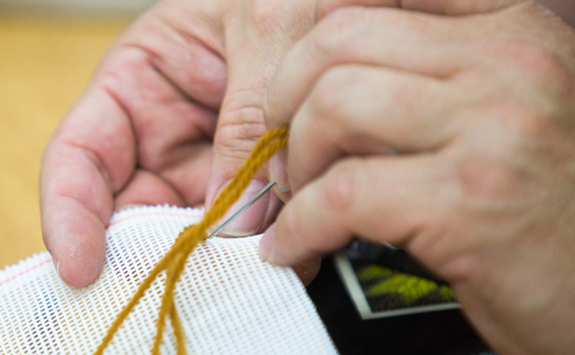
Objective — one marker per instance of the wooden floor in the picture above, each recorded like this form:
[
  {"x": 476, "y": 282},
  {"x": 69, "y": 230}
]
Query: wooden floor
[{"x": 44, "y": 65}]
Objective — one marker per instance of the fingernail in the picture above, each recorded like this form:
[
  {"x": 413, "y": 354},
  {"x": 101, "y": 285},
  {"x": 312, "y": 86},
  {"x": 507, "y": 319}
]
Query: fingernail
[
  {"x": 278, "y": 164},
  {"x": 267, "y": 243},
  {"x": 251, "y": 220}
]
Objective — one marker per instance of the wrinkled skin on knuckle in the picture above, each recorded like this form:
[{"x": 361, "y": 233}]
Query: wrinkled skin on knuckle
[
  {"x": 238, "y": 136},
  {"x": 291, "y": 17}
]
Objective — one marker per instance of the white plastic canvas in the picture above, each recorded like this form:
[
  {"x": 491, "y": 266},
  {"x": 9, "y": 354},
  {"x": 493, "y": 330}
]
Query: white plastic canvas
[{"x": 229, "y": 300}]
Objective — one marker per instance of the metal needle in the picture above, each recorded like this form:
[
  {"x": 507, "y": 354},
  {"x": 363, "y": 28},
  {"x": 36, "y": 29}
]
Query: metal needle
[{"x": 244, "y": 207}]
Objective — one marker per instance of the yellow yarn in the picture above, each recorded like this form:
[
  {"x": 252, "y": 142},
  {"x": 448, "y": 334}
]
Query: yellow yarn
[{"x": 175, "y": 260}]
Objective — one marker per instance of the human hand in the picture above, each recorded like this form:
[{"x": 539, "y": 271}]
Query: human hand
[
  {"x": 142, "y": 132},
  {"x": 451, "y": 136}
]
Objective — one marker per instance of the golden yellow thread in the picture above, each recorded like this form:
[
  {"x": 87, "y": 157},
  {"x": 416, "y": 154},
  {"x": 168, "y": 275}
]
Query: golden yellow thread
[{"x": 175, "y": 260}]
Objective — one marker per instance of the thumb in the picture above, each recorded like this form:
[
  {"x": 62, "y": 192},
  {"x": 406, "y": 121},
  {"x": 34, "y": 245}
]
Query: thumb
[{"x": 255, "y": 46}]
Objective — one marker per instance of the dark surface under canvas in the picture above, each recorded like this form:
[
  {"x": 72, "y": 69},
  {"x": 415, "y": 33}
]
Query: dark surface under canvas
[{"x": 442, "y": 332}]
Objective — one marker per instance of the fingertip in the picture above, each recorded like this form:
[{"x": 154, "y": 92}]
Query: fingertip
[
  {"x": 270, "y": 252},
  {"x": 308, "y": 270},
  {"x": 80, "y": 263},
  {"x": 76, "y": 239},
  {"x": 80, "y": 273}
]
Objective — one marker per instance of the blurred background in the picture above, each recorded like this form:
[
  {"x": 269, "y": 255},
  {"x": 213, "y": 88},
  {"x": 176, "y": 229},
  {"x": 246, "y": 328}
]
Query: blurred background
[{"x": 48, "y": 51}]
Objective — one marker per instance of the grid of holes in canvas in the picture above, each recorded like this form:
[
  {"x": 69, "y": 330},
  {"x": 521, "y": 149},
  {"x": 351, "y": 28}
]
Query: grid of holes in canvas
[{"x": 229, "y": 300}]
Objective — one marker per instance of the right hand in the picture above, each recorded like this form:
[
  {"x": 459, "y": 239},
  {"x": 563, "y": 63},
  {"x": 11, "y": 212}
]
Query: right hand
[
  {"x": 478, "y": 107},
  {"x": 143, "y": 131}
]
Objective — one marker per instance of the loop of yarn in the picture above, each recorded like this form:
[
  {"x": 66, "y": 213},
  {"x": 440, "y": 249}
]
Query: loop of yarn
[{"x": 175, "y": 260}]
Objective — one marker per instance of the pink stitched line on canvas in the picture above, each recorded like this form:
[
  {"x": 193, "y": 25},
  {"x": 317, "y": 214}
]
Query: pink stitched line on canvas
[
  {"x": 153, "y": 214},
  {"x": 25, "y": 271},
  {"x": 108, "y": 226}
]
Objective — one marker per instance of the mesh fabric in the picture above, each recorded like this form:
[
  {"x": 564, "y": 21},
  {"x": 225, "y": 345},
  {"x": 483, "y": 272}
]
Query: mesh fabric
[{"x": 229, "y": 300}]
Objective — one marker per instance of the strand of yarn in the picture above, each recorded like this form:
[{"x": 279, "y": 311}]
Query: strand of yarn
[
  {"x": 175, "y": 260},
  {"x": 264, "y": 150}
]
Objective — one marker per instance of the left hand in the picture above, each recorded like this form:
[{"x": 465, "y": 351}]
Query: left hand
[
  {"x": 179, "y": 92},
  {"x": 451, "y": 136}
]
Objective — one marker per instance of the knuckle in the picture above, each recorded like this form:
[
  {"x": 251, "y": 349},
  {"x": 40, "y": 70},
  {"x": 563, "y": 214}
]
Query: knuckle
[
  {"x": 340, "y": 27},
  {"x": 542, "y": 61},
  {"x": 270, "y": 17},
  {"x": 482, "y": 177},
  {"x": 339, "y": 188},
  {"x": 480, "y": 180},
  {"x": 537, "y": 108},
  {"x": 263, "y": 13},
  {"x": 330, "y": 97},
  {"x": 502, "y": 170},
  {"x": 542, "y": 64},
  {"x": 238, "y": 135},
  {"x": 525, "y": 124}
]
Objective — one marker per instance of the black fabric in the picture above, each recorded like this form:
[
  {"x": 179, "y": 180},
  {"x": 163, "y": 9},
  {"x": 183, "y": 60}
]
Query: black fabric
[{"x": 441, "y": 333}]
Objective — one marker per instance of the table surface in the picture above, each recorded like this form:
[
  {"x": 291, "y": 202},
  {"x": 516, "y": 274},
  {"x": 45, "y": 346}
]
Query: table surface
[{"x": 45, "y": 62}]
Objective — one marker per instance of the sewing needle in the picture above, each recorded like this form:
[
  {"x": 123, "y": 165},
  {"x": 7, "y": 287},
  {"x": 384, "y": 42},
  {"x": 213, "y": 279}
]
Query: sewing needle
[{"x": 244, "y": 207}]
